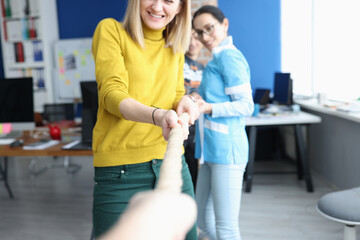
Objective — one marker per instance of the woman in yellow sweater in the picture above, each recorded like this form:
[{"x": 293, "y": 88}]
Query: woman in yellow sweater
[{"x": 139, "y": 73}]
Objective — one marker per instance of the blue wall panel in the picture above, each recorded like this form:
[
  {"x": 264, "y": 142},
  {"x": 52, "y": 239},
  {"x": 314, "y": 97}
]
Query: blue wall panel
[
  {"x": 79, "y": 18},
  {"x": 255, "y": 27}
]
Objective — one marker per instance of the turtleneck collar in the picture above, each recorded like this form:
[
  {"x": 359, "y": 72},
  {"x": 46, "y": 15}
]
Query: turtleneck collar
[{"x": 152, "y": 34}]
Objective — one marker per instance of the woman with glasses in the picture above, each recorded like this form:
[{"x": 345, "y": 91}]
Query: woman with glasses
[
  {"x": 221, "y": 142},
  {"x": 139, "y": 73}
]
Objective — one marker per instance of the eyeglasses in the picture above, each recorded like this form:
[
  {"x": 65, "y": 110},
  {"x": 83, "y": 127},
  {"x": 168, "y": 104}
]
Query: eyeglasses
[{"x": 208, "y": 30}]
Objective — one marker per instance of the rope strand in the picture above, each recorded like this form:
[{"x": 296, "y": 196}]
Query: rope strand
[{"x": 170, "y": 172}]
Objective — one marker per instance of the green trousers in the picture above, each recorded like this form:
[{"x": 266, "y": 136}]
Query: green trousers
[{"x": 114, "y": 187}]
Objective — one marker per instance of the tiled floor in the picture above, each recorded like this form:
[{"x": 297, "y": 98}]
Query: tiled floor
[{"x": 57, "y": 205}]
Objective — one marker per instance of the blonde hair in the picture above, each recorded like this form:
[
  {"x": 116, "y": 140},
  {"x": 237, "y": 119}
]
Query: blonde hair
[{"x": 177, "y": 33}]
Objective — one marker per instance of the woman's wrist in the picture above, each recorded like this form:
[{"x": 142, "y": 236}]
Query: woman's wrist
[
  {"x": 191, "y": 98},
  {"x": 153, "y": 115},
  {"x": 159, "y": 114}
]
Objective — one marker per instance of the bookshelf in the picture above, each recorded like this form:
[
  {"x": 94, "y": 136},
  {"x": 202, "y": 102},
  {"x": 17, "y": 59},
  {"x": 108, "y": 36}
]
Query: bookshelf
[{"x": 28, "y": 30}]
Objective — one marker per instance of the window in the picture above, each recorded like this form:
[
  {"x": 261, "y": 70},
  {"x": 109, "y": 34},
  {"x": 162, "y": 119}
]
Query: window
[{"x": 321, "y": 46}]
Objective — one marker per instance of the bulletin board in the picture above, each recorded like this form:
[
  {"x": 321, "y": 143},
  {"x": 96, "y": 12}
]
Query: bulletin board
[{"x": 74, "y": 63}]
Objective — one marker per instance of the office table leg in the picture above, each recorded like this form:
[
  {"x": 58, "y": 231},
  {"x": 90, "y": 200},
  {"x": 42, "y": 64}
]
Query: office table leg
[
  {"x": 250, "y": 165},
  {"x": 67, "y": 165},
  {"x": 303, "y": 158},
  {"x": 3, "y": 173},
  {"x": 300, "y": 173}
]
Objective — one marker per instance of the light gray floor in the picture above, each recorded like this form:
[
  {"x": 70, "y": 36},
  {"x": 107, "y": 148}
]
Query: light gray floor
[
  {"x": 57, "y": 205},
  {"x": 279, "y": 207},
  {"x": 52, "y": 206}
]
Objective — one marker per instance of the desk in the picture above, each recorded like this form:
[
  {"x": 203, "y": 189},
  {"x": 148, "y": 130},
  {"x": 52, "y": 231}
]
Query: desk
[
  {"x": 297, "y": 121},
  {"x": 54, "y": 151}
]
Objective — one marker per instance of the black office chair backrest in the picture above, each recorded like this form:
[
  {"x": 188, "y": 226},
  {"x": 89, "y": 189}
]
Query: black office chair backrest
[
  {"x": 89, "y": 94},
  {"x": 58, "y": 112}
]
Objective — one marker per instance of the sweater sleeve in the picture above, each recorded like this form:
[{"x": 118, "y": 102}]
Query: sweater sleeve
[
  {"x": 180, "y": 88},
  {"x": 110, "y": 72}
]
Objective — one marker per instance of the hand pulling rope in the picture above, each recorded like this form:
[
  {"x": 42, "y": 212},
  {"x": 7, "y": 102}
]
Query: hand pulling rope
[{"x": 170, "y": 172}]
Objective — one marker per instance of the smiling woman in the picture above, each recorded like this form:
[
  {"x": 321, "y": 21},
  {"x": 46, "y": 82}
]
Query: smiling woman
[
  {"x": 225, "y": 99},
  {"x": 157, "y": 15},
  {"x": 129, "y": 138}
]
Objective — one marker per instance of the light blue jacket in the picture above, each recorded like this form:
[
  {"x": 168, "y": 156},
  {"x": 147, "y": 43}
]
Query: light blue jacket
[{"x": 221, "y": 137}]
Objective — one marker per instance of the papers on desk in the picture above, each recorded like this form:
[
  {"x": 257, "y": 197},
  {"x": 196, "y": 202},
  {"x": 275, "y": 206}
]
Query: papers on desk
[
  {"x": 346, "y": 107},
  {"x": 7, "y": 141},
  {"x": 349, "y": 109},
  {"x": 274, "y": 110},
  {"x": 70, "y": 145},
  {"x": 285, "y": 119},
  {"x": 42, "y": 144}
]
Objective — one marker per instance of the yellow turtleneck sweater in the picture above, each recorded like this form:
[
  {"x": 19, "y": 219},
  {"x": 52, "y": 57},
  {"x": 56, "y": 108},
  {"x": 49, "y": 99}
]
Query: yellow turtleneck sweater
[{"x": 152, "y": 76}]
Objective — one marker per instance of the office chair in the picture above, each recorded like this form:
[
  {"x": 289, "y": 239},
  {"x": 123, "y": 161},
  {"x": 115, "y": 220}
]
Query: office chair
[
  {"x": 58, "y": 112},
  {"x": 344, "y": 207},
  {"x": 53, "y": 113}
]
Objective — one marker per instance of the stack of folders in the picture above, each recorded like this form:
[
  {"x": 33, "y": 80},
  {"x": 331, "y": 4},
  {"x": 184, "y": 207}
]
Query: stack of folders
[{"x": 42, "y": 144}]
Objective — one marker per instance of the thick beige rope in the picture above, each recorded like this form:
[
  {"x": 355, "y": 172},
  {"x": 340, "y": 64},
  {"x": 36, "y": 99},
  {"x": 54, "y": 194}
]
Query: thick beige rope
[{"x": 170, "y": 179}]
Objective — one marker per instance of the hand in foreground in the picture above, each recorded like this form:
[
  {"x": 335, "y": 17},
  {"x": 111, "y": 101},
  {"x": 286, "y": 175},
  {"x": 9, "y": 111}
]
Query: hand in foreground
[
  {"x": 155, "y": 215},
  {"x": 188, "y": 104}
]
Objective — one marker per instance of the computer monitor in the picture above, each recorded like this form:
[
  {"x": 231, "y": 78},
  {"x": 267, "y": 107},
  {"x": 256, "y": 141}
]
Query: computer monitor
[
  {"x": 17, "y": 103},
  {"x": 89, "y": 94},
  {"x": 282, "y": 89},
  {"x": 262, "y": 96}
]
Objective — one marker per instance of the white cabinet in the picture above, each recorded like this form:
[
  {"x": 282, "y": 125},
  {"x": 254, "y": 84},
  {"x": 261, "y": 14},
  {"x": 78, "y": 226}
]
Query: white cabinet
[{"x": 29, "y": 29}]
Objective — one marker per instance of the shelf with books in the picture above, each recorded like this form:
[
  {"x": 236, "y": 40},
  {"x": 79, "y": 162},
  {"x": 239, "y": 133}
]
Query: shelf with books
[
  {"x": 12, "y": 18},
  {"x": 20, "y": 8},
  {"x": 36, "y": 73},
  {"x": 26, "y": 65},
  {"x": 23, "y": 52},
  {"x": 28, "y": 30},
  {"x": 22, "y": 40},
  {"x": 19, "y": 29}
]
